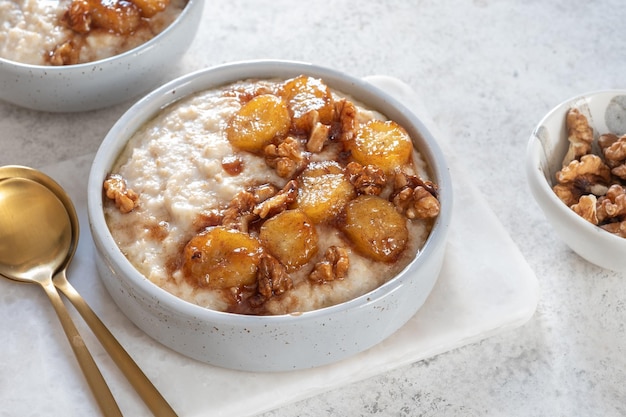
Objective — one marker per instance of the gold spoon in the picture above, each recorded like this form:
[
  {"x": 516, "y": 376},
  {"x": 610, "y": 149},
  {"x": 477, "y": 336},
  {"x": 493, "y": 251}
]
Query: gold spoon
[
  {"x": 146, "y": 390},
  {"x": 35, "y": 240}
]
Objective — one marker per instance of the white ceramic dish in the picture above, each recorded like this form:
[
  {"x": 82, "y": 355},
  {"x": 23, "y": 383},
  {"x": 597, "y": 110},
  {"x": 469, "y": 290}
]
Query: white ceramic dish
[
  {"x": 274, "y": 343},
  {"x": 606, "y": 112},
  {"x": 102, "y": 83}
]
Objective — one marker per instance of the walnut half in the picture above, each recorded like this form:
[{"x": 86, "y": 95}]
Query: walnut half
[
  {"x": 368, "y": 179},
  {"x": 615, "y": 156},
  {"x": 415, "y": 198},
  {"x": 334, "y": 266},
  {"x": 286, "y": 158},
  {"x": 579, "y": 134},
  {"x": 116, "y": 189},
  {"x": 589, "y": 175},
  {"x": 272, "y": 279}
]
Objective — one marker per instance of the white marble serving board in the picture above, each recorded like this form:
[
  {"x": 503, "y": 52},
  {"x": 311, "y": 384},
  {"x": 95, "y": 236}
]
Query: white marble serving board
[{"x": 485, "y": 287}]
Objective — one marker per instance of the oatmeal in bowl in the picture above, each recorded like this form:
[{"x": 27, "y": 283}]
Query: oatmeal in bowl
[
  {"x": 69, "y": 32},
  {"x": 76, "y": 55},
  {"x": 269, "y": 198}
]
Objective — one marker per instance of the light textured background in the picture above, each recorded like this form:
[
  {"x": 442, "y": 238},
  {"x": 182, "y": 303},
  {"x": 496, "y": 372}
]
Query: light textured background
[{"x": 487, "y": 71}]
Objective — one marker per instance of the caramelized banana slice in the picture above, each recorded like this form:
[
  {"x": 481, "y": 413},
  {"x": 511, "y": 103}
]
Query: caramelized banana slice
[
  {"x": 309, "y": 101},
  {"x": 290, "y": 237},
  {"x": 151, "y": 7},
  {"x": 375, "y": 228},
  {"x": 381, "y": 143},
  {"x": 222, "y": 258},
  {"x": 119, "y": 16},
  {"x": 257, "y": 122},
  {"x": 324, "y": 190}
]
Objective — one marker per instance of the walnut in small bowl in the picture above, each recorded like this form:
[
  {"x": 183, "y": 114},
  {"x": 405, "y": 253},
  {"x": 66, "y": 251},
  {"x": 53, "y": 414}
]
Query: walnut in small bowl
[
  {"x": 592, "y": 181},
  {"x": 576, "y": 170}
]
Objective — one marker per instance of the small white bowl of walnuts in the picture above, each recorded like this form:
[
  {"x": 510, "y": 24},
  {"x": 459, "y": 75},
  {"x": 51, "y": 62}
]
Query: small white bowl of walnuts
[{"x": 576, "y": 168}]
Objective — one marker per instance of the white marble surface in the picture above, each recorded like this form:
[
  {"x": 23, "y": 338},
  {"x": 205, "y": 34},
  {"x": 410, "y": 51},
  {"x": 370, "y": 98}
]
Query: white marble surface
[{"x": 487, "y": 71}]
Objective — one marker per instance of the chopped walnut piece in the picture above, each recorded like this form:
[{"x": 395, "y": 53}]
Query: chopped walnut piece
[
  {"x": 346, "y": 112},
  {"x": 286, "y": 157},
  {"x": 278, "y": 202},
  {"x": 579, "y": 134},
  {"x": 586, "y": 208},
  {"x": 208, "y": 219},
  {"x": 116, "y": 189},
  {"x": 238, "y": 214},
  {"x": 590, "y": 175},
  {"x": 402, "y": 180},
  {"x": 618, "y": 228},
  {"x": 619, "y": 171},
  {"x": 318, "y": 137},
  {"x": 257, "y": 202},
  {"x": 368, "y": 179},
  {"x": 607, "y": 139},
  {"x": 66, "y": 53},
  {"x": 307, "y": 121},
  {"x": 613, "y": 204},
  {"x": 334, "y": 266},
  {"x": 415, "y": 198},
  {"x": 272, "y": 278},
  {"x": 615, "y": 157},
  {"x": 568, "y": 193},
  {"x": 590, "y": 169},
  {"x": 417, "y": 203},
  {"x": 263, "y": 192}
]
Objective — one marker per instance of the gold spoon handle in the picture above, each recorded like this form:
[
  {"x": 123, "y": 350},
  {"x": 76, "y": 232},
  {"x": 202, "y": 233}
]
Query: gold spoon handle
[
  {"x": 96, "y": 381},
  {"x": 146, "y": 390}
]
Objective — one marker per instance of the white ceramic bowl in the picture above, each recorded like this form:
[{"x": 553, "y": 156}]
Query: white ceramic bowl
[
  {"x": 274, "y": 343},
  {"x": 606, "y": 112},
  {"x": 102, "y": 83}
]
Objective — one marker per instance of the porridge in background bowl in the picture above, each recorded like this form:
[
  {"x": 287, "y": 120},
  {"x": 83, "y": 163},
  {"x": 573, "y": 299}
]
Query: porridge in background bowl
[
  {"x": 269, "y": 197},
  {"x": 95, "y": 84},
  {"x": 68, "y": 32}
]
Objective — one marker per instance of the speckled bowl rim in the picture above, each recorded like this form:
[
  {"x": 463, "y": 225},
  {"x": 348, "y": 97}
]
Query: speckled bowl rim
[
  {"x": 138, "y": 50},
  {"x": 540, "y": 177},
  {"x": 171, "y": 92}
]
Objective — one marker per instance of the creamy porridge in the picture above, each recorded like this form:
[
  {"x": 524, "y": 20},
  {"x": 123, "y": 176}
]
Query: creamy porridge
[
  {"x": 270, "y": 197},
  {"x": 64, "y": 32}
]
